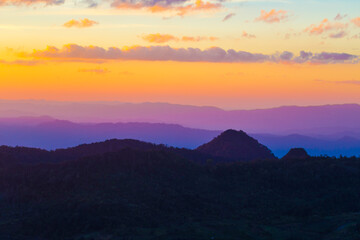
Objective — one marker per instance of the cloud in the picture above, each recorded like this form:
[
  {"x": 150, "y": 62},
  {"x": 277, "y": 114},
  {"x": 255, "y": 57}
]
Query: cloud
[
  {"x": 96, "y": 70},
  {"x": 340, "y": 17},
  {"x": 82, "y": 23},
  {"x": 338, "y": 35},
  {"x": 20, "y": 62},
  {"x": 179, "y": 7},
  {"x": 247, "y": 35},
  {"x": 159, "y": 38},
  {"x": 30, "y": 2},
  {"x": 73, "y": 52},
  {"x": 325, "y": 26},
  {"x": 198, "y": 39},
  {"x": 356, "y": 21},
  {"x": 227, "y": 17},
  {"x": 326, "y": 57},
  {"x": 198, "y": 6},
  {"x": 357, "y": 36},
  {"x": 273, "y": 16},
  {"x": 163, "y": 38},
  {"x": 91, "y": 3},
  {"x": 352, "y": 82}
]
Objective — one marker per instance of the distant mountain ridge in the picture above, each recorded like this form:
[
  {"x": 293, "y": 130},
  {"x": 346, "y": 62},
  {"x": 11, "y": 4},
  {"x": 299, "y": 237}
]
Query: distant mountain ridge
[
  {"x": 48, "y": 133},
  {"x": 311, "y": 120}
]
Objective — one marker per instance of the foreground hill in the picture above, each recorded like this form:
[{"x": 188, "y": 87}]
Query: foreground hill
[
  {"x": 157, "y": 194},
  {"x": 236, "y": 145}
]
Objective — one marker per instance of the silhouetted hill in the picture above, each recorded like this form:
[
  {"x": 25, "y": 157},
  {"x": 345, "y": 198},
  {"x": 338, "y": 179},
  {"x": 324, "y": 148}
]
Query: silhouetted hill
[
  {"x": 113, "y": 145},
  {"x": 315, "y": 146},
  {"x": 296, "y": 153},
  {"x": 23, "y": 155},
  {"x": 236, "y": 145},
  {"x": 159, "y": 195}
]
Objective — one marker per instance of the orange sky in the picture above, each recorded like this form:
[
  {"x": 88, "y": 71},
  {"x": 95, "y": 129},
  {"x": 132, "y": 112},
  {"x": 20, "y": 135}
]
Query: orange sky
[
  {"x": 231, "y": 54},
  {"x": 228, "y": 85}
]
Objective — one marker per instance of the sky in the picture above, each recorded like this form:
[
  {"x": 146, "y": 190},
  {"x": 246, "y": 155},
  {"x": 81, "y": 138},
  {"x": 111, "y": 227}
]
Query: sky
[{"x": 232, "y": 54}]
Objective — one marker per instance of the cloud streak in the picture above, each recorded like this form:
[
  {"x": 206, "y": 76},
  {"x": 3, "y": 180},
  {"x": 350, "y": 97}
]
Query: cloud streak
[
  {"x": 73, "y": 52},
  {"x": 96, "y": 70},
  {"x": 227, "y": 17},
  {"x": 20, "y": 62},
  {"x": 351, "y": 82}
]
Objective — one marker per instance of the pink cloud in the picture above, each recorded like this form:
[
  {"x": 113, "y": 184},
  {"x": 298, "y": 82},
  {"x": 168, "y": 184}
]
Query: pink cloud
[
  {"x": 356, "y": 21},
  {"x": 273, "y": 16},
  {"x": 325, "y": 26}
]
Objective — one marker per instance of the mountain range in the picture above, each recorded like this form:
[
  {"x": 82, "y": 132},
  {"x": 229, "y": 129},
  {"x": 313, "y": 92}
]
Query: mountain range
[
  {"x": 49, "y": 133},
  {"x": 330, "y": 120}
]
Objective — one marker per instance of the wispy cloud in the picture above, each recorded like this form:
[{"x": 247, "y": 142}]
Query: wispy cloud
[
  {"x": 227, "y": 17},
  {"x": 340, "y": 17}
]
